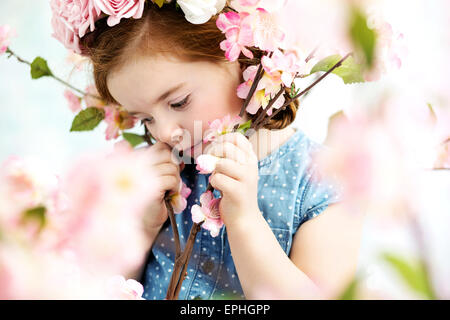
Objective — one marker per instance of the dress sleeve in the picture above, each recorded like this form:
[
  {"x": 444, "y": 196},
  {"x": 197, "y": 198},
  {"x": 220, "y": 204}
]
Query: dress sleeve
[{"x": 316, "y": 193}]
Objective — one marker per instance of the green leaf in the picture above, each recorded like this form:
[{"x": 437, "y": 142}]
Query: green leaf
[
  {"x": 363, "y": 37},
  {"x": 294, "y": 90},
  {"x": 413, "y": 273},
  {"x": 39, "y": 68},
  {"x": 35, "y": 215},
  {"x": 326, "y": 63},
  {"x": 87, "y": 119},
  {"x": 349, "y": 71},
  {"x": 244, "y": 127},
  {"x": 133, "y": 139},
  {"x": 159, "y": 2},
  {"x": 350, "y": 292}
]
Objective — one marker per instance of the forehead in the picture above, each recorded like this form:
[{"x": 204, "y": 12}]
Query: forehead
[
  {"x": 139, "y": 81},
  {"x": 142, "y": 78}
]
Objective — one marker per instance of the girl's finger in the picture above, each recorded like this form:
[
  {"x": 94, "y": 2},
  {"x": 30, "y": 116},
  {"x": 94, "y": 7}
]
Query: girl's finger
[
  {"x": 223, "y": 183},
  {"x": 227, "y": 150},
  {"x": 230, "y": 168},
  {"x": 169, "y": 183},
  {"x": 240, "y": 141},
  {"x": 167, "y": 169}
]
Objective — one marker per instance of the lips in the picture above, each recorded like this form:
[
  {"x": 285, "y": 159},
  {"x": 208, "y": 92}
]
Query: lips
[{"x": 191, "y": 149}]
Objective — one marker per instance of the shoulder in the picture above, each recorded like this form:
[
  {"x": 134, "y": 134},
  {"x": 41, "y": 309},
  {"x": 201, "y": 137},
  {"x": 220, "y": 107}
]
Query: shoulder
[{"x": 295, "y": 164}]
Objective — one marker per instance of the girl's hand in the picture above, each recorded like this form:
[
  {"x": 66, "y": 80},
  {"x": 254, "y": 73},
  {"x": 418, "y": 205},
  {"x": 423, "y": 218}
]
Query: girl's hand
[
  {"x": 167, "y": 179},
  {"x": 236, "y": 176}
]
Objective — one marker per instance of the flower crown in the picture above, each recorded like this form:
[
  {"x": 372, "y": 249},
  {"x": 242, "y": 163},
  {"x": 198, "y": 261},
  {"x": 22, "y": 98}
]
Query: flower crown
[
  {"x": 73, "y": 19},
  {"x": 246, "y": 24}
]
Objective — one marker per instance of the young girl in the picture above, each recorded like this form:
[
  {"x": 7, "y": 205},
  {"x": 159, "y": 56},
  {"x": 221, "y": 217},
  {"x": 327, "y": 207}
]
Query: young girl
[{"x": 281, "y": 239}]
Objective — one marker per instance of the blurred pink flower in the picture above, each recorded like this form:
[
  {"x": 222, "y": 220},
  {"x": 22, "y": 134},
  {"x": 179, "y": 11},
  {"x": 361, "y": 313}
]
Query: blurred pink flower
[
  {"x": 6, "y": 33},
  {"x": 27, "y": 184},
  {"x": 267, "y": 32},
  {"x": 179, "y": 199},
  {"x": 118, "y": 9},
  {"x": 108, "y": 197},
  {"x": 119, "y": 288},
  {"x": 330, "y": 36},
  {"x": 76, "y": 60},
  {"x": 116, "y": 121},
  {"x": 208, "y": 212},
  {"x": 238, "y": 34},
  {"x": 206, "y": 163},
  {"x": 90, "y": 99},
  {"x": 443, "y": 156},
  {"x": 266, "y": 89},
  {"x": 220, "y": 127},
  {"x": 73, "y": 100},
  {"x": 390, "y": 48}
]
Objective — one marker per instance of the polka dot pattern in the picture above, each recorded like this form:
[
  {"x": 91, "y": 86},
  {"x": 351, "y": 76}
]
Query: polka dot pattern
[{"x": 289, "y": 194}]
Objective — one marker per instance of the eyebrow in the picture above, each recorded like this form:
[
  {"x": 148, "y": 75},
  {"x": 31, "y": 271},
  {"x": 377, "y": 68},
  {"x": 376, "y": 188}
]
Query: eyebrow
[{"x": 164, "y": 95}]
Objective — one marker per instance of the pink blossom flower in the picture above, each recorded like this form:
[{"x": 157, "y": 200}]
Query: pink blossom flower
[
  {"x": 6, "y": 33},
  {"x": 206, "y": 163},
  {"x": 208, "y": 213},
  {"x": 238, "y": 32},
  {"x": 267, "y": 32},
  {"x": 76, "y": 60},
  {"x": 179, "y": 199},
  {"x": 90, "y": 99},
  {"x": 220, "y": 127},
  {"x": 117, "y": 120},
  {"x": 73, "y": 100},
  {"x": 119, "y": 288},
  {"x": 266, "y": 89},
  {"x": 282, "y": 65},
  {"x": 118, "y": 9}
]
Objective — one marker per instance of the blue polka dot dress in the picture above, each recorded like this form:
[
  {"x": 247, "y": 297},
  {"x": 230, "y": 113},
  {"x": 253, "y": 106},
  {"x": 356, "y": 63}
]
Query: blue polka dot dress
[{"x": 288, "y": 196}]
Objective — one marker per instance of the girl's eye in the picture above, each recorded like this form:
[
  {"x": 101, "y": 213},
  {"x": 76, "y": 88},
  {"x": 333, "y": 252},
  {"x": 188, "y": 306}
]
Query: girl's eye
[
  {"x": 177, "y": 105},
  {"x": 181, "y": 104}
]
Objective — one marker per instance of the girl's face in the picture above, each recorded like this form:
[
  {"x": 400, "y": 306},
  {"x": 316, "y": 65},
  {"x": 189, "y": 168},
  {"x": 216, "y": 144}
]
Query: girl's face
[{"x": 176, "y": 98}]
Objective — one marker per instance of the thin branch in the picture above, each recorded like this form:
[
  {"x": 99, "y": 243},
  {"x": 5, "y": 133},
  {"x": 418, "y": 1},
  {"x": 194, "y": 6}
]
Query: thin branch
[
  {"x": 173, "y": 223},
  {"x": 337, "y": 65},
  {"x": 11, "y": 53},
  {"x": 258, "y": 120}
]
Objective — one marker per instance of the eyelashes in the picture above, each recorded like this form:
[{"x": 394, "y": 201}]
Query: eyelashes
[
  {"x": 178, "y": 105},
  {"x": 182, "y": 103}
]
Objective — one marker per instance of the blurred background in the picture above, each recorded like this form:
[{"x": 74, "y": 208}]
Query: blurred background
[{"x": 35, "y": 121}]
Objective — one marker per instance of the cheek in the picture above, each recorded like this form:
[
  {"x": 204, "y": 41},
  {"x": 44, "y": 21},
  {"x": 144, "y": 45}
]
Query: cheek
[{"x": 217, "y": 106}]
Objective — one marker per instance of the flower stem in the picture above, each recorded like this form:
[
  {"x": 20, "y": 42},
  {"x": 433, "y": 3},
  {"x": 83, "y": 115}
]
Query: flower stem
[
  {"x": 11, "y": 53},
  {"x": 181, "y": 263}
]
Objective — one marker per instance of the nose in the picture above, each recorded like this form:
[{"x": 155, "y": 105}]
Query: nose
[{"x": 170, "y": 134}]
